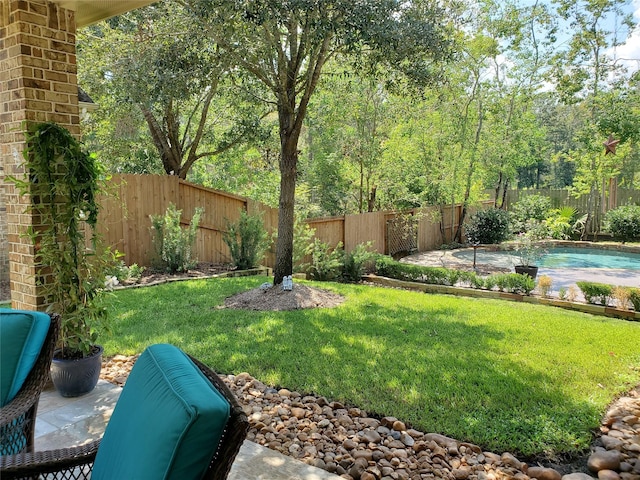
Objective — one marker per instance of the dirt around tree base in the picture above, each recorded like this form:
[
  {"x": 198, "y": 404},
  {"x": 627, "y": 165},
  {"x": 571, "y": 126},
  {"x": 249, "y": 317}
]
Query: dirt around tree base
[{"x": 274, "y": 298}]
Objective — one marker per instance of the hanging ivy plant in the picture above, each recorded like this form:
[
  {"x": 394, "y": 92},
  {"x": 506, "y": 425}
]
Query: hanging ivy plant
[{"x": 63, "y": 182}]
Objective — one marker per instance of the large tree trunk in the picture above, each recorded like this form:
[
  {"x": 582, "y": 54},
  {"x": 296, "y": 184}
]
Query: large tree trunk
[{"x": 284, "y": 243}]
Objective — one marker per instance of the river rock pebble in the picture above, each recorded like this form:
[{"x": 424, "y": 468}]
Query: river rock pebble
[{"x": 347, "y": 442}]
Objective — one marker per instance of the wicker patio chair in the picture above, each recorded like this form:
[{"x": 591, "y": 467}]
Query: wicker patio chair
[
  {"x": 18, "y": 416},
  {"x": 78, "y": 462}
]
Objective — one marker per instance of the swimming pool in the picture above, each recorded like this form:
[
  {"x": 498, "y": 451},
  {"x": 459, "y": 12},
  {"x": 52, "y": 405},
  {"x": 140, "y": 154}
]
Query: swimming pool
[{"x": 560, "y": 257}]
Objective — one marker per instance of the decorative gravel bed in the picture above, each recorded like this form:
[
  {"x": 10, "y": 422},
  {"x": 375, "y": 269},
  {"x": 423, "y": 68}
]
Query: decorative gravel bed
[{"x": 347, "y": 441}]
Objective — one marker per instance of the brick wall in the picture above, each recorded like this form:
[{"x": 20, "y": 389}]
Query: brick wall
[
  {"x": 37, "y": 83},
  {"x": 4, "y": 245}
]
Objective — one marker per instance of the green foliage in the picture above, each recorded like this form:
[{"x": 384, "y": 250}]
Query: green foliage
[
  {"x": 596, "y": 293},
  {"x": 528, "y": 248},
  {"x": 302, "y": 244},
  {"x": 510, "y": 283},
  {"x": 63, "y": 183},
  {"x": 624, "y": 222},
  {"x": 560, "y": 223},
  {"x": 122, "y": 272},
  {"x": 355, "y": 262},
  {"x": 488, "y": 226},
  {"x": 505, "y": 282},
  {"x": 634, "y": 298},
  {"x": 247, "y": 240},
  {"x": 326, "y": 263},
  {"x": 529, "y": 208},
  {"x": 174, "y": 244}
]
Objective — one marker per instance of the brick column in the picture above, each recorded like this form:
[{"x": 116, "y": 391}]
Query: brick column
[{"x": 37, "y": 83}]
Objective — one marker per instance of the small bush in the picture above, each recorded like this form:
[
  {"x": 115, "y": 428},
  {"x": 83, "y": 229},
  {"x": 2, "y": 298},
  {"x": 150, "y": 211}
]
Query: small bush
[
  {"x": 490, "y": 282},
  {"x": 544, "y": 285},
  {"x": 302, "y": 244},
  {"x": 521, "y": 284},
  {"x": 623, "y": 222},
  {"x": 326, "y": 264},
  {"x": 562, "y": 293},
  {"x": 470, "y": 279},
  {"x": 510, "y": 282},
  {"x": 247, "y": 240},
  {"x": 356, "y": 261},
  {"x": 174, "y": 244},
  {"x": 622, "y": 297},
  {"x": 478, "y": 282},
  {"x": 488, "y": 226},
  {"x": 634, "y": 298},
  {"x": 596, "y": 293}
]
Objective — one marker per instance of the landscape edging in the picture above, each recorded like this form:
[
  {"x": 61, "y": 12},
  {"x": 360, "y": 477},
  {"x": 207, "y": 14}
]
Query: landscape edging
[{"x": 514, "y": 297}]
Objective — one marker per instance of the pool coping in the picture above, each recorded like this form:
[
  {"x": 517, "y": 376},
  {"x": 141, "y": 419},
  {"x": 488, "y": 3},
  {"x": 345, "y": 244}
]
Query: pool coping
[{"x": 604, "y": 245}]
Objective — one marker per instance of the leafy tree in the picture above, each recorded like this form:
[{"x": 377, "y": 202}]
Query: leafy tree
[
  {"x": 581, "y": 71},
  {"x": 285, "y": 45},
  {"x": 162, "y": 71}
]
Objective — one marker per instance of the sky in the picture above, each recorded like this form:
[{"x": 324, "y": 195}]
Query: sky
[{"x": 630, "y": 51}]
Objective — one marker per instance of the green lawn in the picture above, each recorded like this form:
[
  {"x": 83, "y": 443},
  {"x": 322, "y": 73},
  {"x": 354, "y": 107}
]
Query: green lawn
[{"x": 508, "y": 376}]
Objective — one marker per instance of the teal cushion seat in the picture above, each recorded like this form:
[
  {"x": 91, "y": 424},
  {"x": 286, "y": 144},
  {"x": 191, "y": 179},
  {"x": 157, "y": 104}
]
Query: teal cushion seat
[
  {"x": 22, "y": 334},
  {"x": 167, "y": 422}
]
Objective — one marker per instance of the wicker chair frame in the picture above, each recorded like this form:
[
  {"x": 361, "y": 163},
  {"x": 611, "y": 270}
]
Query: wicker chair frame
[
  {"x": 17, "y": 418},
  {"x": 77, "y": 462}
]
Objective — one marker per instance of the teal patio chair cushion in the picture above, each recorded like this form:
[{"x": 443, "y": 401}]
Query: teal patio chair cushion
[
  {"x": 22, "y": 334},
  {"x": 167, "y": 422}
]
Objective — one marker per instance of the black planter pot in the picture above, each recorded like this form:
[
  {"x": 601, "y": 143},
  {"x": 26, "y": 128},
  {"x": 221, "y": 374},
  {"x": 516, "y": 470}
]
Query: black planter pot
[
  {"x": 530, "y": 270},
  {"x": 76, "y": 377}
]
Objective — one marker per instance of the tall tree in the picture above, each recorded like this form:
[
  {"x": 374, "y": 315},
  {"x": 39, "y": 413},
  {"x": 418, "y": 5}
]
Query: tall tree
[
  {"x": 582, "y": 72},
  {"x": 151, "y": 59},
  {"x": 286, "y": 43}
]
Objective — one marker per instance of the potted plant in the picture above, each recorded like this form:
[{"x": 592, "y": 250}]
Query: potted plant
[
  {"x": 529, "y": 252},
  {"x": 63, "y": 182}
]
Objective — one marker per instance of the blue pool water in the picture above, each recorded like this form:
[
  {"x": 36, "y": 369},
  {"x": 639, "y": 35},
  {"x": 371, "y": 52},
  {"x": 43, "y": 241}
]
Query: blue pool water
[{"x": 562, "y": 258}]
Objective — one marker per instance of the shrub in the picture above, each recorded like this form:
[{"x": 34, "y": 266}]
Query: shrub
[
  {"x": 622, "y": 297},
  {"x": 326, "y": 264},
  {"x": 562, "y": 293},
  {"x": 527, "y": 209},
  {"x": 488, "y": 226},
  {"x": 247, "y": 240},
  {"x": 560, "y": 223},
  {"x": 388, "y": 267},
  {"x": 510, "y": 282},
  {"x": 521, "y": 284},
  {"x": 302, "y": 244},
  {"x": 501, "y": 281},
  {"x": 596, "y": 293},
  {"x": 544, "y": 285},
  {"x": 634, "y": 298},
  {"x": 478, "y": 282},
  {"x": 623, "y": 222},
  {"x": 507, "y": 282},
  {"x": 174, "y": 244},
  {"x": 356, "y": 260},
  {"x": 490, "y": 282},
  {"x": 470, "y": 279}
]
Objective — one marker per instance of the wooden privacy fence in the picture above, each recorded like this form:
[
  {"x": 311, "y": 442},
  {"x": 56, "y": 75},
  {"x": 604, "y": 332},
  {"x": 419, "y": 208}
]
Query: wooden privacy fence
[
  {"x": 609, "y": 198},
  {"x": 125, "y": 222},
  {"x": 130, "y": 200}
]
